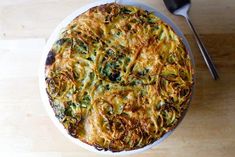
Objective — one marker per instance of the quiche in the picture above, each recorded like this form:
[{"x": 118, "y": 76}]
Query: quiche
[{"x": 118, "y": 78}]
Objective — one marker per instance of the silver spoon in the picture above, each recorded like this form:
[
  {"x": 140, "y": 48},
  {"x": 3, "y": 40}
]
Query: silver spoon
[{"x": 181, "y": 7}]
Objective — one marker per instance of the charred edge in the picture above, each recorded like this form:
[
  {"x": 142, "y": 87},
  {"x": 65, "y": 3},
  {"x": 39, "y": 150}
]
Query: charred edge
[{"x": 50, "y": 58}]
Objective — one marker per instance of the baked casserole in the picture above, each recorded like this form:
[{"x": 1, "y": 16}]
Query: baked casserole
[{"x": 118, "y": 78}]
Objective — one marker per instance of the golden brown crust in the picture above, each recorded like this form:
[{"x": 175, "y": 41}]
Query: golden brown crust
[{"x": 118, "y": 78}]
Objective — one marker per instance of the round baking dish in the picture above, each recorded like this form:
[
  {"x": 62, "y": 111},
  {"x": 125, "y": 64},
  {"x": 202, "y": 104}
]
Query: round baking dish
[{"x": 54, "y": 36}]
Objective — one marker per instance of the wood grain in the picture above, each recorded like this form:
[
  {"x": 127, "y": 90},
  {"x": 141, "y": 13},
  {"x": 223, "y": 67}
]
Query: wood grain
[{"x": 26, "y": 130}]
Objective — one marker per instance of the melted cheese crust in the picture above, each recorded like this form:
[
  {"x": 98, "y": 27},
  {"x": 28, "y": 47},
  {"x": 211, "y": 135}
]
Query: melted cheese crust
[{"x": 118, "y": 78}]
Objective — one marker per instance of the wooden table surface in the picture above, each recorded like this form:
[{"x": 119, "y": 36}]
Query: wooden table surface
[{"x": 25, "y": 128}]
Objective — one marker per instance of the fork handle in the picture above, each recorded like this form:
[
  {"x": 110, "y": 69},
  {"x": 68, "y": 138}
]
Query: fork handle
[{"x": 204, "y": 52}]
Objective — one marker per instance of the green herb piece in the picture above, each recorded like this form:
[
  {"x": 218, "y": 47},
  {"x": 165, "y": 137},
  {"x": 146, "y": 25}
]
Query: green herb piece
[
  {"x": 125, "y": 11},
  {"x": 85, "y": 101},
  {"x": 63, "y": 41},
  {"x": 126, "y": 60},
  {"x": 143, "y": 72},
  {"x": 151, "y": 20},
  {"x": 71, "y": 109},
  {"x": 81, "y": 47}
]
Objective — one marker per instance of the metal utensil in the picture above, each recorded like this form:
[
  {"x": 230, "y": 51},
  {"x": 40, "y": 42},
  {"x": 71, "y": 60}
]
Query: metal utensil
[{"x": 181, "y": 7}]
